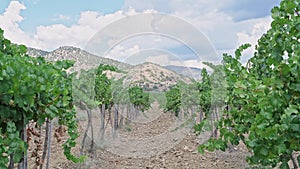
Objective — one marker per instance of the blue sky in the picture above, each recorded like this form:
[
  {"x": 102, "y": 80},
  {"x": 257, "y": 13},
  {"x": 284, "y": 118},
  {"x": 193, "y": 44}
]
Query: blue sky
[
  {"x": 48, "y": 24},
  {"x": 45, "y": 12}
]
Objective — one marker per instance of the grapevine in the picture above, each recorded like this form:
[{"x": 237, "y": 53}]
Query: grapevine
[
  {"x": 32, "y": 89},
  {"x": 263, "y": 97}
]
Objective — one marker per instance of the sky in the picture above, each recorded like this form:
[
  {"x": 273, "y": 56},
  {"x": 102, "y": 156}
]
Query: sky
[{"x": 188, "y": 32}]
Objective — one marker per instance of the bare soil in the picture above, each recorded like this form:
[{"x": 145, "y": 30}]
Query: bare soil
[{"x": 150, "y": 145}]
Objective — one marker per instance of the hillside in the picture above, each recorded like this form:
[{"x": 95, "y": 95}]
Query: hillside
[
  {"x": 36, "y": 52},
  {"x": 84, "y": 59},
  {"x": 152, "y": 76},
  {"x": 149, "y": 76}
]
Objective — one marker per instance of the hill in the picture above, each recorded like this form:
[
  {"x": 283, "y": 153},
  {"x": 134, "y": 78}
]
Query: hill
[
  {"x": 149, "y": 76},
  {"x": 152, "y": 76},
  {"x": 84, "y": 59}
]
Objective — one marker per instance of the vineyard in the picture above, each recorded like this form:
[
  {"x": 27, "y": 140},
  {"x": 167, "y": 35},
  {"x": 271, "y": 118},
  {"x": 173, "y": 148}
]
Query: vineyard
[{"x": 249, "y": 111}]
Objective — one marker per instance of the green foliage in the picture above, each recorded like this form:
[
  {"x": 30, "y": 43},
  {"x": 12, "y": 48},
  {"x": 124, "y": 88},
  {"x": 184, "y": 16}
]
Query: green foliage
[
  {"x": 204, "y": 88},
  {"x": 139, "y": 98},
  {"x": 263, "y": 98},
  {"x": 83, "y": 89},
  {"x": 11, "y": 144},
  {"x": 119, "y": 92},
  {"x": 103, "y": 91},
  {"x": 32, "y": 89},
  {"x": 189, "y": 95},
  {"x": 173, "y": 97}
]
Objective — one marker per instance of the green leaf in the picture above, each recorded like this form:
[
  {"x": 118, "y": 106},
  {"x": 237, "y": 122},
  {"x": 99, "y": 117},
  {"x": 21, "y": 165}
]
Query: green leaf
[
  {"x": 295, "y": 127},
  {"x": 18, "y": 156},
  {"x": 290, "y": 110},
  {"x": 229, "y": 136},
  {"x": 267, "y": 115},
  {"x": 284, "y": 165},
  {"x": 296, "y": 87},
  {"x": 198, "y": 127},
  {"x": 281, "y": 148},
  {"x": 23, "y": 49},
  {"x": 285, "y": 69},
  {"x": 290, "y": 5},
  {"x": 263, "y": 151},
  {"x": 40, "y": 121}
]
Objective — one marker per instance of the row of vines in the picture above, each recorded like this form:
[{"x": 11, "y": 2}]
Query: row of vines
[
  {"x": 114, "y": 103},
  {"x": 34, "y": 93},
  {"x": 257, "y": 103}
]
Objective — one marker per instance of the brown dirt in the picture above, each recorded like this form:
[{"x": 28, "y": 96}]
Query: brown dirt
[{"x": 182, "y": 155}]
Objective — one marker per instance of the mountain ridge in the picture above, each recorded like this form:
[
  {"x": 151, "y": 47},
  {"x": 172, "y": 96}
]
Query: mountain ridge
[
  {"x": 150, "y": 76},
  {"x": 83, "y": 58},
  {"x": 65, "y": 52}
]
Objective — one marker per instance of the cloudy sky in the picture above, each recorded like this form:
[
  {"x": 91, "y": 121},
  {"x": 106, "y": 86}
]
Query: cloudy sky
[{"x": 215, "y": 25}]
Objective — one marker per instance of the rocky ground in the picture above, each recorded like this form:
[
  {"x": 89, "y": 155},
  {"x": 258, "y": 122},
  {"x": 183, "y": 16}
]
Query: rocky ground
[{"x": 154, "y": 144}]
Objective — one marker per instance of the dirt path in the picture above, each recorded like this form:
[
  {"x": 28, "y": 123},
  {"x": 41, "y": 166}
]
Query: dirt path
[{"x": 154, "y": 142}]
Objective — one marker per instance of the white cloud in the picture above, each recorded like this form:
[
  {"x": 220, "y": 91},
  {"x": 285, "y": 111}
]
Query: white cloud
[
  {"x": 190, "y": 63},
  {"x": 216, "y": 19},
  {"x": 121, "y": 53},
  {"x": 251, "y": 31},
  {"x": 238, "y": 10},
  {"x": 219, "y": 27},
  {"x": 96, "y": 20},
  {"x": 162, "y": 59},
  {"x": 13, "y": 13},
  {"x": 9, "y": 22},
  {"x": 89, "y": 23},
  {"x": 50, "y": 37},
  {"x": 258, "y": 28},
  {"x": 167, "y": 6},
  {"x": 147, "y": 41}
]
